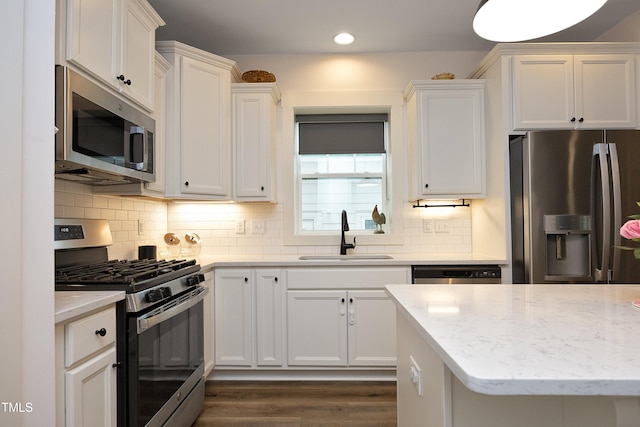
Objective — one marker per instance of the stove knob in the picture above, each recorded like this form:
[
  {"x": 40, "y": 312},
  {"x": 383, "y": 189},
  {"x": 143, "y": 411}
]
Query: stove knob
[
  {"x": 165, "y": 292},
  {"x": 152, "y": 296},
  {"x": 195, "y": 279}
]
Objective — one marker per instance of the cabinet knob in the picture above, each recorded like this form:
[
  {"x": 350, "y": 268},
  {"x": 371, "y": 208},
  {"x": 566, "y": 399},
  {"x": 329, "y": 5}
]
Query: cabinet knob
[
  {"x": 186, "y": 184},
  {"x": 246, "y": 279},
  {"x": 350, "y": 300},
  {"x": 426, "y": 186},
  {"x": 121, "y": 77},
  {"x": 581, "y": 119},
  {"x": 102, "y": 332},
  {"x": 573, "y": 119},
  {"x": 343, "y": 300},
  {"x": 276, "y": 279},
  {"x": 116, "y": 365},
  {"x": 261, "y": 188}
]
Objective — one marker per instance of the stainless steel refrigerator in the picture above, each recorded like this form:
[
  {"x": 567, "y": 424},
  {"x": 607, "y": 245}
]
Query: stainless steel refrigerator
[{"x": 570, "y": 193}]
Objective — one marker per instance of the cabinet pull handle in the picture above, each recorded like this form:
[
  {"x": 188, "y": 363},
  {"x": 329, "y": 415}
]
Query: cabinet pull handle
[{"x": 102, "y": 332}]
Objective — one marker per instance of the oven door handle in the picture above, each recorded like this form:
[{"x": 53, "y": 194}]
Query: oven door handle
[{"x": 145, "y": 323}]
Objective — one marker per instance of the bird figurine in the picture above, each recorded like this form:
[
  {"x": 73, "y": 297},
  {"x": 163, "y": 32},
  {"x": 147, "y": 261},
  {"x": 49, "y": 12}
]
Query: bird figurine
[{"x": 378, "y": 219}]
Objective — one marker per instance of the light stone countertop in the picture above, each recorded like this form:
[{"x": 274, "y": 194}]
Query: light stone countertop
[
  {"x": 70, "y": 304},
  {"x": 531, "y": 339},
  {"x": 293, "y": 260}
]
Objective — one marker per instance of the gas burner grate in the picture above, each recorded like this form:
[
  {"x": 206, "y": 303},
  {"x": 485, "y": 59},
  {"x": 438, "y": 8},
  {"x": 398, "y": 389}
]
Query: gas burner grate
[{"x": 119, "y": 272}]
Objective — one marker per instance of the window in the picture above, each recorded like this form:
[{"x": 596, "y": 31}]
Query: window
[{"x": 341, "y": 165}]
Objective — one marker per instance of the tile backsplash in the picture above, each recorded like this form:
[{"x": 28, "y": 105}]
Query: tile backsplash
[
  {"x": 217, "y": 225},
  {"x": 139, "y": 221},
  {"x": 134, "y": 221}
]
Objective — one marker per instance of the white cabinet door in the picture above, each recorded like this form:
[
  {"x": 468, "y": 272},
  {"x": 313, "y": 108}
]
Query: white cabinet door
[
  {"x": 233, "y": 301},
  {"x": 254, "y": 136},
  {"x": 316, "y": 328},
  {"x": 269, "y": 314},
  {"x": 93, "y": 37},
  {"x": 372, "y": 329},
  {"x": 446, "y": 139},
  {"x": 573, "y": 92},
  {"x": 543, "y": 92},
  {"x": 90, "y": 392},
  {"x": 605, "y": 91},
  {"x": 204, "y": 129},
  {"x": 138, "y": 55},
  {"x": 114, "y": 40}
]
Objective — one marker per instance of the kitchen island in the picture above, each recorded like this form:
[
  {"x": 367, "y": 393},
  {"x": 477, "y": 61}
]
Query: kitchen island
[{"x": 525, "y": 355}]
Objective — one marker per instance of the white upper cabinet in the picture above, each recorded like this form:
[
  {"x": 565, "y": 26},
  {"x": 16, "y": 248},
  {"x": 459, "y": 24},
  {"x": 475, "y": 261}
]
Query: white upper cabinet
[
  {"x": 446, "y": 128},
  {"x": 254, "y": 140},
  {"x": 114, "y": 40},
  {"x": 573, "y": 91},
  {"x": 198, "y": 123}
]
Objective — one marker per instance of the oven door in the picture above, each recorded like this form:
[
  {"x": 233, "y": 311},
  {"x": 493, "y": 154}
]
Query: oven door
[{"x": 165, "y": 359}]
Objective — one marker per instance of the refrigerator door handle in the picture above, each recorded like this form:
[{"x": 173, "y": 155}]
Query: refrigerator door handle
[
  {"x": 617, "y": 211},
  {"x": 600, "y": 158}
]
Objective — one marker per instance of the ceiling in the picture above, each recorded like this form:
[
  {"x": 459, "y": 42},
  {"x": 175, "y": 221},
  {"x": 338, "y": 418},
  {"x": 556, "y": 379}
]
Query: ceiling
[{"x": 250, "y": 27}]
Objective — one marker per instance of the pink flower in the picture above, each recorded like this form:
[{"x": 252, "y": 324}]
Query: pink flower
[{"x": 631, "y": 229}]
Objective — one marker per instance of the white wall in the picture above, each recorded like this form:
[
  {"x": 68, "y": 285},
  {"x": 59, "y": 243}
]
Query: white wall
[{"x": 26, "y": 255}]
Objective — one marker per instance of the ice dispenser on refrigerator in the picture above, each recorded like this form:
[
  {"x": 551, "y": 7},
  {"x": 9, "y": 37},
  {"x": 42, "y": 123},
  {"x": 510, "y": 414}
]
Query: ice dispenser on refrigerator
[{"x": 568, "y": 247}]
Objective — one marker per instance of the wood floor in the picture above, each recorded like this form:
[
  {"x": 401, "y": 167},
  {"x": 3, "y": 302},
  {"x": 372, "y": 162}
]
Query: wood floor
[{"x": 299, "y": 403}]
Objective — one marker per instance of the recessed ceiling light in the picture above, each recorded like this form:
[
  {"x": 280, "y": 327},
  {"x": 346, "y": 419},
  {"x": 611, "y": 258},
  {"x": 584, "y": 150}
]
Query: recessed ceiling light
[
  {"x": 344, "y": 39},
  {"x": 512, "y": 21}
]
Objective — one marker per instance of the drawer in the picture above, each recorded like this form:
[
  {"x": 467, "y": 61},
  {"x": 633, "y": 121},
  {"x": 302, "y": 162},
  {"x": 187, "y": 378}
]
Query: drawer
[
  {"x": 89, "y": 334},
  {"x": 346, "y": 277}
]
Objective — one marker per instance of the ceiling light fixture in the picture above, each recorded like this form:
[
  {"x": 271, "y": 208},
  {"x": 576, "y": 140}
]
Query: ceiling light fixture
[
  {"x": 344, "y": 39},
  {"x": 519, "y": 20}
]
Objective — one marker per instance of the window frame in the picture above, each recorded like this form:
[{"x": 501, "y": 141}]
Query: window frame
[{"x": 344, "y": 102}]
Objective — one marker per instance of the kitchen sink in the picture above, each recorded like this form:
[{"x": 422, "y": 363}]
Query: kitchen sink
[{"x": 343, "y": 257}]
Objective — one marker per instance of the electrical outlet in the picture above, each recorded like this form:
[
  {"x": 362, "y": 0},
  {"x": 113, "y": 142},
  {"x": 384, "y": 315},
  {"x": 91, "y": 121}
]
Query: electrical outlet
[
  {"x": 141, "y": 227},
  {"x": 257, "y": 226},
  {"x": 415, "y": 374},
  {"x": 427, "y": 225},
  {"x": 442, "y": 226},
  {"x": 240, "y": 227}
]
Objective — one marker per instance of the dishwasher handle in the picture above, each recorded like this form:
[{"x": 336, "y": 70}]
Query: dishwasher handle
[{"x": 456, "y": 274}]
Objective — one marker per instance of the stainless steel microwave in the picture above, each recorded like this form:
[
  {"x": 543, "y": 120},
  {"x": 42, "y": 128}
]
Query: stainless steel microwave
[{"x": 101, "y": 139}]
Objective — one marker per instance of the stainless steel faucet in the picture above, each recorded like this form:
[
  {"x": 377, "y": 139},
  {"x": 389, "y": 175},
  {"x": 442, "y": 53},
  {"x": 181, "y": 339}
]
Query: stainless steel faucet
[{"x": 345, "y": 227}]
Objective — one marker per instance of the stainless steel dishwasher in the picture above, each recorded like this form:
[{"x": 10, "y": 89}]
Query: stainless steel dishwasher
[{"x": 455, "y": 274}]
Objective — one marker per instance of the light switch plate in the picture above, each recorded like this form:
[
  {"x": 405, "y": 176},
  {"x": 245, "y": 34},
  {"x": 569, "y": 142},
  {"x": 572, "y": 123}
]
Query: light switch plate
[
  {"x": 427, "y": 225},
  {"x": 257, "y": 226},
  {"x": 240, "y": 227}
]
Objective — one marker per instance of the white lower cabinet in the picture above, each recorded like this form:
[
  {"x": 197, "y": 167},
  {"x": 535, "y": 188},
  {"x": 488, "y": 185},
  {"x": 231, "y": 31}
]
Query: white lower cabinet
[
  {"x": 86, "y": 373},
  {"x": 305, "y": 318},
  {"x": 340, "y": 328},
  {"x": 248, "y": 317},
  {"x": 90, "y": 392},
  {"x": 341, "y": 316}
]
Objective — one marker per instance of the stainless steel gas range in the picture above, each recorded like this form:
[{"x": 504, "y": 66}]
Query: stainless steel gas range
[{"x": 160, "y": 339}]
